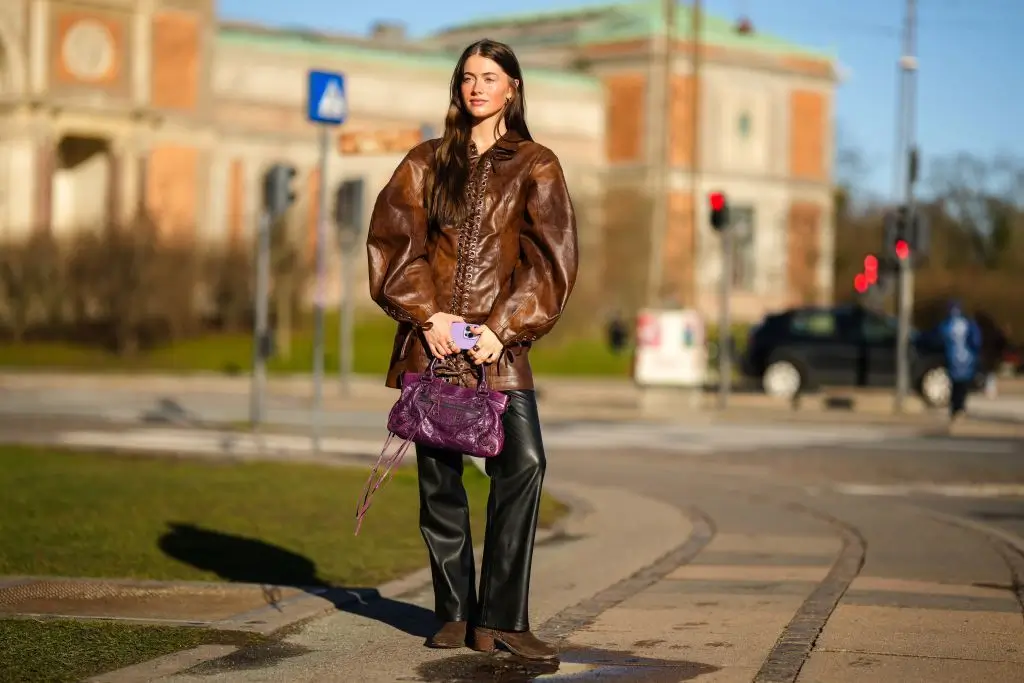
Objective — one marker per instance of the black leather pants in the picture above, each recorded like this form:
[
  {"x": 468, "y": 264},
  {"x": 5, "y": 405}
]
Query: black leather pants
[{"x": 517, "y": 475}]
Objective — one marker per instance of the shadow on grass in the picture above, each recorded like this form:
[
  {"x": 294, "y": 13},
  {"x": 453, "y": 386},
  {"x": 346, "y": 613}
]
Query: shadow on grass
[{"x": 247, "y": 560}]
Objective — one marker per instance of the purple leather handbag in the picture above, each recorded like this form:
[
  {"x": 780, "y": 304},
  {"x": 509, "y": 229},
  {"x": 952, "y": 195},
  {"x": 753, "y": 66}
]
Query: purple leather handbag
[{"x": 432, "y": 412}]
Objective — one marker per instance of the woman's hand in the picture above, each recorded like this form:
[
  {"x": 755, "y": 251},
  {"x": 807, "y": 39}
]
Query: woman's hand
[
  {"x": 439, "y": 336},
  {"x": 488, "y": 347}
]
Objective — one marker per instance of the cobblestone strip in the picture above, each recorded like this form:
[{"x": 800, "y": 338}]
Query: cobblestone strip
[
  {"x": 586, "y": 612},
  {"x": 794, "y": 645}
]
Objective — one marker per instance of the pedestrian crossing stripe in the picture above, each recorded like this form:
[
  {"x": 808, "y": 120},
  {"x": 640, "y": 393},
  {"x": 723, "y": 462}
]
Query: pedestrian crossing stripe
[{"x": 332, "y": 105}]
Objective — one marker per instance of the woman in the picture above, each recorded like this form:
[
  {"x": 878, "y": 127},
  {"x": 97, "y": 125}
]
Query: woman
[{"x": 478, "y": 227}]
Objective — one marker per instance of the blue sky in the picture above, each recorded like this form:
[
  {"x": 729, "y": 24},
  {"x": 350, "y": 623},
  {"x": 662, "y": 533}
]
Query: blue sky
[{"x": 970, "y": 52}]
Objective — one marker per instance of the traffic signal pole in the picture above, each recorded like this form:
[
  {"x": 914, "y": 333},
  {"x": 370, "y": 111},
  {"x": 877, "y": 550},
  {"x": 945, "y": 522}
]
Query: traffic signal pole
[
  {"x": 348, "y": 217},
  {"x": 261, "y": 336},
  {"x": 721, "y": 223},
  {"x": 905, "y": 300},
  {"x": 278, "y": 196},
  {"x": 724, "y": 322}
]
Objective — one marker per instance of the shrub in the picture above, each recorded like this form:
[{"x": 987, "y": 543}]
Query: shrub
[{"x": 123, "y": 287}]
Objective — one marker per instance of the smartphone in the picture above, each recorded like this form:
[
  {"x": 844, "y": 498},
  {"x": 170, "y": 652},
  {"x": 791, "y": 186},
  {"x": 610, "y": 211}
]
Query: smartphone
[{"x": 463, "y": 335}]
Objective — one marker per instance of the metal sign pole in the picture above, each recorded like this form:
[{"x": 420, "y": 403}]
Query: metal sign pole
[
  {"x": 326, "y": 106},
  {"x": 724, "y": 348},
  {"x": 260, "y": 342},
  {"x": 320, "y": 292},
  {"x": 346, "y": 333}
]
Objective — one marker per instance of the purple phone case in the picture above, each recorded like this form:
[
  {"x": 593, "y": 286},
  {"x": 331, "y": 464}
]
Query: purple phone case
[{"x": 463, "y": 337}]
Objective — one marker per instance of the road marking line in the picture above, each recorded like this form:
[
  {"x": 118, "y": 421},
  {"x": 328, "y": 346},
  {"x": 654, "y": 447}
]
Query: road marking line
[
  {"x": 947, "y": 490},
  {"x": 956, "y": 446}
]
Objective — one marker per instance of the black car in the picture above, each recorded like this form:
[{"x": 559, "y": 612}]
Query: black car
[{"x": 803, "y": 349}]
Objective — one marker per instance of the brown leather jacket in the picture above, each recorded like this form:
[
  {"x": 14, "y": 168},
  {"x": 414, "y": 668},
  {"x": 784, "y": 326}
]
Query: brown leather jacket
[{"x": 511, "y": 265}]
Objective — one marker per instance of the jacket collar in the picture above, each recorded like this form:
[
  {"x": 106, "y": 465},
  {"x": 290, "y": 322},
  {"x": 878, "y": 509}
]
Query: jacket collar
[{"x": 503, "y": 149}]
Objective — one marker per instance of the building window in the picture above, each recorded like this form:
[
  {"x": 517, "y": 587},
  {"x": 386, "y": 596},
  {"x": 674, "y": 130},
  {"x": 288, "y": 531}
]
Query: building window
[{"x": 743, "y": 256}]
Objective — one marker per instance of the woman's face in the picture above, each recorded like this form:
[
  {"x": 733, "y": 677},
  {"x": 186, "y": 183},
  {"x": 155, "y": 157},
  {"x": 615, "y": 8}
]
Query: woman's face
[{"x": 486, "y": 88}]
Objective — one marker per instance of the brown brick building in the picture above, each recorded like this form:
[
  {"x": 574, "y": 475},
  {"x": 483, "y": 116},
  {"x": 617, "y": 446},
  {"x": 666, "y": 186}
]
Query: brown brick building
[{"x": 107, "y": 106}]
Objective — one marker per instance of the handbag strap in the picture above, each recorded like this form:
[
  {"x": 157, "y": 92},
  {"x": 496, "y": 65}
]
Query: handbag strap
[{"x": 378, "y": 478}]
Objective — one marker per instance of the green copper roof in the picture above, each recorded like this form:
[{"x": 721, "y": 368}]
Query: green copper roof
[
  {"x": 339, "y": 52},
  {"x": 623, "y": 21}
]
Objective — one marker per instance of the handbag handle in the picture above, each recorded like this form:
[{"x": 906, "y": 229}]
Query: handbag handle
[{"x": 482, "y": 387}]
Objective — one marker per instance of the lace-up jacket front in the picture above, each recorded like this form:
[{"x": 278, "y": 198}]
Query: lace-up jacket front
[{"x": 510, "y": 265}]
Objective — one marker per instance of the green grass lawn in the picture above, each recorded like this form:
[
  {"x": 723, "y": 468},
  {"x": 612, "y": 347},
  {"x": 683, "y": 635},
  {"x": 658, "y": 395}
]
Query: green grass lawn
[
  {"x": 65, "y": 651},
  {"x": 96, "y": 515},
  {"x": 83, "y": 514},
  {"x": 232, "y": 353}
]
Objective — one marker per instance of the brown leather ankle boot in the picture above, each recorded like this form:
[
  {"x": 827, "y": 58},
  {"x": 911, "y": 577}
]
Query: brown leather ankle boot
[
  {"x": 449, "y": 636},
  {"x": 520, "y": 643}
]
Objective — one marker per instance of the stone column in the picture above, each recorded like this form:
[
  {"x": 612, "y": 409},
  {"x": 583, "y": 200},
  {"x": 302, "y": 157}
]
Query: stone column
[
  {"x": 134, "y": 165},
  {"x": 46, "y": 166},
  {"x": 115, "y": 190}
]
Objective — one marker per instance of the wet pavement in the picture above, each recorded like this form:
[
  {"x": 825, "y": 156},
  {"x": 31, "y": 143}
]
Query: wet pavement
[{"x": 581, "y": 665}]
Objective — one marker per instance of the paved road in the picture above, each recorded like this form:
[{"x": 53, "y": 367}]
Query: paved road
[
  {"x": 364, "y": 437},
  {"x": 791, "y": 553},
  {"x": 220, "y": 400}
]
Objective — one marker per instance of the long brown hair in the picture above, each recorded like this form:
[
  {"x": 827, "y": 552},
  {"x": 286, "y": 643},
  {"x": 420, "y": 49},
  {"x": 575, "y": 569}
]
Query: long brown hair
[{"x": 446, "y": 199}]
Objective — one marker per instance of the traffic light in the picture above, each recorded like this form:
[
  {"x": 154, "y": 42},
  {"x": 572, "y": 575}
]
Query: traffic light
[
  {"x": 873, "y": 277},
  {"x": 348, "y": 210},
  {"x": 348, "y": 204},
  {"x": 901, "y": 249},
  {"x": 278, "y": 193},
  {"x": 871, "y": 269},
  {"x": 905, "y": 240},
  {"x": 719, "y": 211},
  {"x": 860, "y": 283}
]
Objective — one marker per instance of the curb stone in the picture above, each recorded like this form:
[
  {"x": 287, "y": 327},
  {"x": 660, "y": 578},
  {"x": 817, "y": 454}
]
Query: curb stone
[{"x": 165, "y": 666}]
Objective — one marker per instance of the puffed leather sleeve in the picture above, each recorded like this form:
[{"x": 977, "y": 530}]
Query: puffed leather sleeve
[
  {"x": 401, "y": 282},
  {"x": 543, "y": 279}
]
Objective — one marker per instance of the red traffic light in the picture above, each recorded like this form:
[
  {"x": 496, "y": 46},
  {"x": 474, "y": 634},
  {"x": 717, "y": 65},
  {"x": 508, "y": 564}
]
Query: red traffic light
[
  {"x": 902, "y": 250},
  {"x": 870, "y": 263},
  {"x": 860, "y": 283},
  {"x": 871, "y": 276},
  {"x": 717, "y": 200}
]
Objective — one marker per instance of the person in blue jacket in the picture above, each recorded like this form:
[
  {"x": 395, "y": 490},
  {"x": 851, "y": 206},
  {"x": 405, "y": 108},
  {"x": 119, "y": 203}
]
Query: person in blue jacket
[{"x": 961, "y": 337}]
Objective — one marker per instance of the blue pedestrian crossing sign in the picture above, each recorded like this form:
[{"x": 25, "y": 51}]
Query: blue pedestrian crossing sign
[{"x": 326, "y": 98}]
